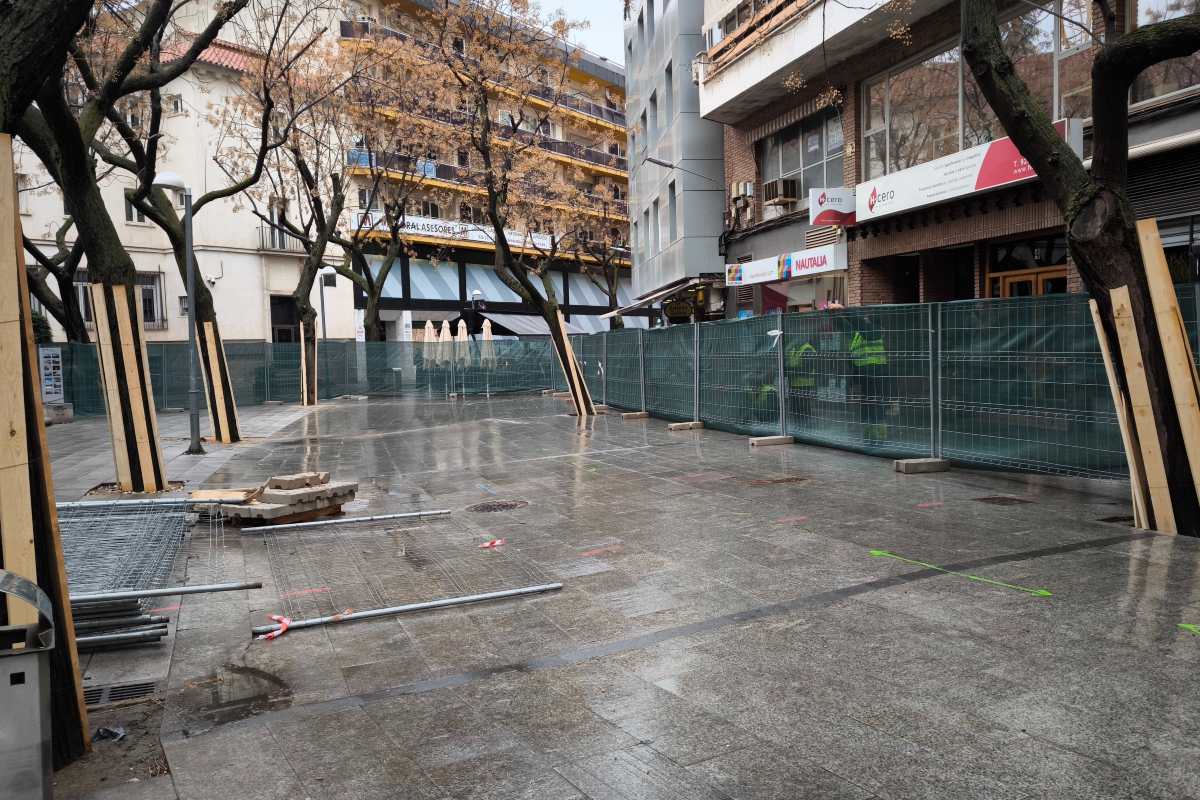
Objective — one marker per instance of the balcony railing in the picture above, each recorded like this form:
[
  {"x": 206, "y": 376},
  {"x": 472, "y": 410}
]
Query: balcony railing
[
  {"x": 351, "y": 29},
  {"x": 271, "y": 238}
]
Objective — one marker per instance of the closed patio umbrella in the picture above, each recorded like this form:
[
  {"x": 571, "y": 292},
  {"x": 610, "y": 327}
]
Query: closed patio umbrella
[
  {"x": 445, "y": 350},
  {"x": 487, "y": 349}
]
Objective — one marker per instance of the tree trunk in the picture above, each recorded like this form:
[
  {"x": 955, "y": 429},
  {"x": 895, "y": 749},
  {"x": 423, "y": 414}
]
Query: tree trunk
[
  {"x": 34, "y": 35},
  {"x": 375, "y": 327},
  {"x": 1101, "y": 233},
  {"x": 309, "y": 385},
  {"x": 72, "y": 321}
]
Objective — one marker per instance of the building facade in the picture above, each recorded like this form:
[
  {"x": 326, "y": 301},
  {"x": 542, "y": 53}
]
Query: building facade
[
  {"x": 252, "y": 268},
  {"x": 677, "y": 186},
  {"x": 838, "y": 103}
]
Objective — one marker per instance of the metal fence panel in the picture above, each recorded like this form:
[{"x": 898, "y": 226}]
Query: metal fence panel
[
  {"x": 669, "y": 373},
  {"x": 739, "y": 374},
  {"x": 591, "y": 355},
  {"x": 859, "y": 378},
  {"x": 624, "y": 381},
  {"x": 1023, "y": 386}
]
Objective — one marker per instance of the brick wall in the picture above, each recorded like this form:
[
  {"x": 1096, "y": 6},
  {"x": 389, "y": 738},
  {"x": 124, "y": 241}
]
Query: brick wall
[{"x": 740, "y": 164}]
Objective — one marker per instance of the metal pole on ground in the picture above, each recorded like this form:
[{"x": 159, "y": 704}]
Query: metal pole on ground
[
  {"x": 938, "y": 384},
  {"x": 781, "y": 381},
  {"x": 604, "y": 367},
  {"x": 134, "y": 594},
  {"x": 441, "y": 512},
  {"x": 932, "y": 384},
  {"x": 194, "y": 447},
  {"x": 405, "y": 609}
]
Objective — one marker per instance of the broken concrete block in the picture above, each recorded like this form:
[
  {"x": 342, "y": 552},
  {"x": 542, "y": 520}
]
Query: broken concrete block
[
  {"x": 767, "y": 441},
  {"x": 684, "y": 426},
  {"x": 307, "y": 494},
  {"x": 636, "y": 415},
  {"x": 297, "y": 480},
  {"x": 917, "y": 466}
]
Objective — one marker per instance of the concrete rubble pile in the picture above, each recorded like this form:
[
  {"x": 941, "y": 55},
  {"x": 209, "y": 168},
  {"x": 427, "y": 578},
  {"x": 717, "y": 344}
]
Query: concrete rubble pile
[{"x": 291, "y": 498}]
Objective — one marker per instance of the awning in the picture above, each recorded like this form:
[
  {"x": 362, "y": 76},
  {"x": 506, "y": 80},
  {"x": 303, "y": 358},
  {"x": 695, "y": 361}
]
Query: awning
[
  {"x": 526, "y": 325},
  {"x": 659, "y": 294}
]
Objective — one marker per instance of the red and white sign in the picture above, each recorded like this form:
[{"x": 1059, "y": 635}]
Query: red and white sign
[
  {"x": 976, "y": 169},
  {"x": 831, "y": 206},
  {"x": 797, "y": 264}
]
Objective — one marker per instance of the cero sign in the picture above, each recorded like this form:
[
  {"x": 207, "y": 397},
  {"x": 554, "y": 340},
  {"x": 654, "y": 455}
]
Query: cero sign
[{"x": 833, "y": 206}]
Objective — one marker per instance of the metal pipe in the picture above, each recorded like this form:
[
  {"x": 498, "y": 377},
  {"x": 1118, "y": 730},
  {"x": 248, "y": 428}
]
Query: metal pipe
[
  {"x": 202, "y": 588},
  {"x": 695, "y": 371},
  {"x": 642, "y": 367},
  {"x": 781, "y": 381},
  {"x": 442, "y": 512},
  {"x": 118, "y": 622},
  {"x": 119, "y": 638},
  {"x": 164, "y": 502},
  {"x": 385, "y": 612}
]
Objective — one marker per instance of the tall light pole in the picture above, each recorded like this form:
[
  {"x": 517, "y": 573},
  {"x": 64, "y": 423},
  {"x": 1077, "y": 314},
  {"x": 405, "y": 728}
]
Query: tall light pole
[{"x": 170, "y": 180}]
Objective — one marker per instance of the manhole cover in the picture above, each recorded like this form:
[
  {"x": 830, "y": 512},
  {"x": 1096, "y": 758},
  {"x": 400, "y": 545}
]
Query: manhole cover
[
  {"x": 1118, "y": 519},
  {"x": 776, "y": 481},
  {"x": 1002, "y": 500},
  {"x": 497, "y": 505},
  {"x": 115, "y": 693}
]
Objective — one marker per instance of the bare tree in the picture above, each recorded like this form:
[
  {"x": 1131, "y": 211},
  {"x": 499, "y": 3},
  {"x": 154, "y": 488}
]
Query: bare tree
[
  {"x": 34, "y": 35},
  {"x": 1094, "y": 203},
  {"x": 62, "y": 304}
]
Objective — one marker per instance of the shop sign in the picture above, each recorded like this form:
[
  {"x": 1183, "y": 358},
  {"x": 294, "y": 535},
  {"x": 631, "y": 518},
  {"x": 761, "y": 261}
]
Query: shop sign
[
  {"x": 834, "y": 206},
  {"x": 459, "y": 231},
  {"x": 967, "y": 172},
  {"x": 797, "y": 264},
  {"x": 678, "y": 309}
]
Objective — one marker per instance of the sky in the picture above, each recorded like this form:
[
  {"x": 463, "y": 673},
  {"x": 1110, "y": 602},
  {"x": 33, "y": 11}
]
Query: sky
[{"x": 603, "y": 35}]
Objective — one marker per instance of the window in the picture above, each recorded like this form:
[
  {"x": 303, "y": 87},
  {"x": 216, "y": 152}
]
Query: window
[
  {"x": 82, "y": 295},
  {"x": 650, "y": 19},
  {"x": 470, "y": 213},
  {"x": 656, "y": 228},
  {"x": 672, "y": 213},
  {"x": 645, "y": 243},
  {"x": 1169, "y": 76},
  {"x": 173, "y": 104},
  {"x": 459, "y": 45},
  {"x": 646, "y": 138},
  {"x": 149, "y": 291},
  {"x": 651, "y": 116},
  {"x": 24, "y": 193},
  {"x": 430, "y": 209},
  {"x": 668, "y": 96},
  {"x": 924, "y": 110},
  {"x": 364, "y": 198},
  {"x": 132, "y": 212},
  {"x": 642, "y": 30},
  {"x": 811, "y": 151},
  {"x": 629, "y": 53},
  {"x": 464, "y": 158},
  {"x": 636, "y": 240},
  {"x": 183, "y": 305}
]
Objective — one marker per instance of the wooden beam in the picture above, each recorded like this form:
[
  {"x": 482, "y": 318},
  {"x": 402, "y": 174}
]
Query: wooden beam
[
  {"x": 1133, "y": 455},
  {"x": 1176, "y": 351},
  {"x": 1143, "y": 414}
]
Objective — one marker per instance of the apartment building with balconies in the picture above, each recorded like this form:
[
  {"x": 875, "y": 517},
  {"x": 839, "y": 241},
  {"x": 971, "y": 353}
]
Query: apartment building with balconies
[{"x": 833, "y": 107}]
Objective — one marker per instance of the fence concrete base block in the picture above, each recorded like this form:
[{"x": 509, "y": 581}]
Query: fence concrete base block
[
  {"x": 684, "y": 426},
  {"x": 600, "y": 408},
  {"x": 636, "y": 415},
  {"x": 547, "y": 391},
  {"x": 767, "y": 441},
  {"x": 561, "y": 394},
  {"x": 917, "y": 466}
]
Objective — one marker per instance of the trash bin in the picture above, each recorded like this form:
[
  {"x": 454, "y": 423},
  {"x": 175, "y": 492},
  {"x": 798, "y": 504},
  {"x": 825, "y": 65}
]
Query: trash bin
[{"x": 25, "y": 695}]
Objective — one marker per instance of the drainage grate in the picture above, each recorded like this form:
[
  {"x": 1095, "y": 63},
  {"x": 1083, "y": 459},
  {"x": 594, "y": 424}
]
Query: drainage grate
[
  {"x": 497, "y": 505},
  {"x": 115, "y": 693},
  {"x": 776, "y": 481},
  {"x": 1002, "y": 500}
]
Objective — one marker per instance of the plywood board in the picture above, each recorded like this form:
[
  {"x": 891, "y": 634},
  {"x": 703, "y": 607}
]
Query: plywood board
[
  {"x": 130, "y": 358},
  {"x": 1143, "y": 413},
  {"x": 108, "y": 380},
  {"x": 1175, "y": 348},
  {"x": 1133, "y": 454}
]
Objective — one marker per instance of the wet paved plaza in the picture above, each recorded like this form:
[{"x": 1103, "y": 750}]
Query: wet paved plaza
[{"x": 724, "y": 630}]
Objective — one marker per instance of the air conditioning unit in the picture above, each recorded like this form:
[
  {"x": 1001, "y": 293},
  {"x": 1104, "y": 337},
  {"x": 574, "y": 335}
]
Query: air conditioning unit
[
  {"x": 781, "y": 191},
  {"x": 697, "y": 71},
  {"x": 773, "y": 211},
  {"x": 741, "y": 190}
]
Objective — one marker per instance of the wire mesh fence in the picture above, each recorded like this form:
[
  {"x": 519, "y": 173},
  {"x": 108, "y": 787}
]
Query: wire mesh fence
[{"x": 1012, "y": 384}]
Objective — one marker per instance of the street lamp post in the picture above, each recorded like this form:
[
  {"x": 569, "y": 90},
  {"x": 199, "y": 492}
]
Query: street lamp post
[
  {"x": 170, "y": 180},
  {"x": 324, "y": 327}
]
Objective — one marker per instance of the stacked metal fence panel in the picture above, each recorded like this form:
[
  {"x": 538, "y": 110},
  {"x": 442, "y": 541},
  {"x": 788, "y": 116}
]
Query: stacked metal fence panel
[
  {"x": 670, "y": 371},
  {"x": 739, "y": 375},
  {"x": 1023, "y": 386},
  {"x": 860, "y": 378},
  {"x": 624, "y": 368}
]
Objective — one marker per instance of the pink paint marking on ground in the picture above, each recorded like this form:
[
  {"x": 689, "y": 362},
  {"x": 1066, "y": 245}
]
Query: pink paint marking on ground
[
  {"x": 492, "y": 545},
  {"x": 164, "y": 609},
  {"x": 607, "y": 550},
  {"x": 931, "y": 504},
  {"x": 791, "y": 520},
  {"x": 299, "y": 592}
]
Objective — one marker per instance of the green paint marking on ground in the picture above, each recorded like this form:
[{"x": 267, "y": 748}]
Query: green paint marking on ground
[
  {"x": 1190, "y": 628},
  {"x": 980, "y": 578}
]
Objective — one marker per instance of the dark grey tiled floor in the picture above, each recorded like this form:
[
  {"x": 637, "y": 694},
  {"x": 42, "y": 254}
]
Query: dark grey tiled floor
[{"x": 714, "y": 639}]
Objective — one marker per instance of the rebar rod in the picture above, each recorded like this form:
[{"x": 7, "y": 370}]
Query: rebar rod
[
  {"x": 384, "y": 612},
  {"x": 118, "y": 622},
  {"x": 204, "y": 588},
  {"x": 344, "y": 521},
  {"x": 157, "y": 501}
]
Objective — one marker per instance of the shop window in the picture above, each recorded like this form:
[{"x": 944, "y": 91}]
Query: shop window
[
  {"x": 430, "y": 209},
  {"x": 1174, "y": 74},
  {"x": 1028, "y": 267}
]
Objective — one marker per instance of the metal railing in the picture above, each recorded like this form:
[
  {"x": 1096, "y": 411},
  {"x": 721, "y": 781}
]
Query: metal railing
[{"x": 271, "y": 238}]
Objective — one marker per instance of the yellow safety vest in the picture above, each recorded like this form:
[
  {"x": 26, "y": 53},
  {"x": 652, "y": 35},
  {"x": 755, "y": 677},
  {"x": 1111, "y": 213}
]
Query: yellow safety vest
[{"x": 867, "y": 352}]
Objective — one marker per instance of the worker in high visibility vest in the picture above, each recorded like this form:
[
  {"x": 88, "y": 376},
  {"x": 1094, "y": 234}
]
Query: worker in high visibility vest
[{"x": 868, "y": 357}]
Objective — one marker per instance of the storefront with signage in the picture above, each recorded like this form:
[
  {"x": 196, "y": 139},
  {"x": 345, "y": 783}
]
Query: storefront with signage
[{"x": 801, "y": 280}]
